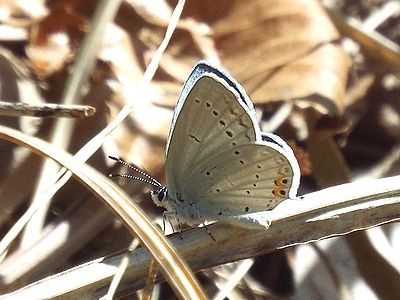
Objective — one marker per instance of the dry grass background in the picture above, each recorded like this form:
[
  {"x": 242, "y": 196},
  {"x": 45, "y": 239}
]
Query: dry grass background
[{"x": 325, "y": 78}]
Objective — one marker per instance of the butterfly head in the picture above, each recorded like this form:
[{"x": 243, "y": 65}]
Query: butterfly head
[{"x": 160, "y": 196}]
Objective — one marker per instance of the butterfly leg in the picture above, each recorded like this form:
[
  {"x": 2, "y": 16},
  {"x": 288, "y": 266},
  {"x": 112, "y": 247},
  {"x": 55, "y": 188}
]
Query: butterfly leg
[
  {"x": 167, "y": 216},
  {"x": 208, "y": 231},
  {"x": 164, "y": 219},
  {"x": 179, "y": 225},
  {"x": 202, "y": 221}
]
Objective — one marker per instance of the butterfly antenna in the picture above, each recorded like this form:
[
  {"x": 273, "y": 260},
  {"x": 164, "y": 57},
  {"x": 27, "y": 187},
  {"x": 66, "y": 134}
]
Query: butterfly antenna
[
  {"x": 148, "y": 179},
  {"x": 145, "y": 180}
]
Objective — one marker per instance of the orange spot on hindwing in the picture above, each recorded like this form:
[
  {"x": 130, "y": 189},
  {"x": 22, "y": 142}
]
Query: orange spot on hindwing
[{"x": 281, "y": 184}]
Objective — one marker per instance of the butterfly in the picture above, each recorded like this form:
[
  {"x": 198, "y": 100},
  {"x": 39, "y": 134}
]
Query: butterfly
[{"x": 219, "y": 165}]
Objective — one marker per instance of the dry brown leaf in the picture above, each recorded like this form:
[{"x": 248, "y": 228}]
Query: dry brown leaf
[{"x": 280, "y": 50}]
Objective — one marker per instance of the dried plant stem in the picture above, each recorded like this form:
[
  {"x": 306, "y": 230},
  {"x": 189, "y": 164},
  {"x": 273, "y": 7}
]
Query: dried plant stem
[
  {"x": 121, "y": 270},
  {"x": 47, "y": 110},
  {"x": 373, "y": 43}
]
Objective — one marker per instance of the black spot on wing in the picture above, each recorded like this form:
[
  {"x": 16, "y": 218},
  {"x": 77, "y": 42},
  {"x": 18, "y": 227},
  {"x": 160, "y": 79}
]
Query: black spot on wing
[{"x": 195, "y": 138}]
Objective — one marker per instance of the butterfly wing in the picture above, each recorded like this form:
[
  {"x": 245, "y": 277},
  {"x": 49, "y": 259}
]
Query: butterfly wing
[
  {"x": 217, "y": 158},
  {"x": 210, "y": 116},
  {"x": 245, "y": 179}
]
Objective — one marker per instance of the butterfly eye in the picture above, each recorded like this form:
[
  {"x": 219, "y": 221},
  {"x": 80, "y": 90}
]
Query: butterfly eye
[{"x": 162, "y": 193}]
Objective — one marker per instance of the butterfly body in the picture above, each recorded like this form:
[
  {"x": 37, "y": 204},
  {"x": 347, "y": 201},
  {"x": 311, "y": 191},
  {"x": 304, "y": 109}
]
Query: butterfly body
[{"x": 219, "y": 165}]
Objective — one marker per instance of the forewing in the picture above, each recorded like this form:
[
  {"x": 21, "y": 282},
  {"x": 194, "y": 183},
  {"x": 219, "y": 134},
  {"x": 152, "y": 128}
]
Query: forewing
[{"x": 212, "y": 118}]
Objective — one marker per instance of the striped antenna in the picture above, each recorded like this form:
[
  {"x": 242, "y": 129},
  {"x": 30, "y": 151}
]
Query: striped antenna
[{"x": 148, "y": 179}]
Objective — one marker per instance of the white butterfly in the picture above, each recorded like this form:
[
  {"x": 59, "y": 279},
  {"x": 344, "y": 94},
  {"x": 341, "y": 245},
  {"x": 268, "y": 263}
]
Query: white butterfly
[{"x": 219, "y": 165}]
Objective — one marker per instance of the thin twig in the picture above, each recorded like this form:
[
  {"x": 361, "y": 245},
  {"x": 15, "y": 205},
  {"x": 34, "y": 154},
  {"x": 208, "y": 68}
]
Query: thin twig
[{"x": 48, "y": 110}]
